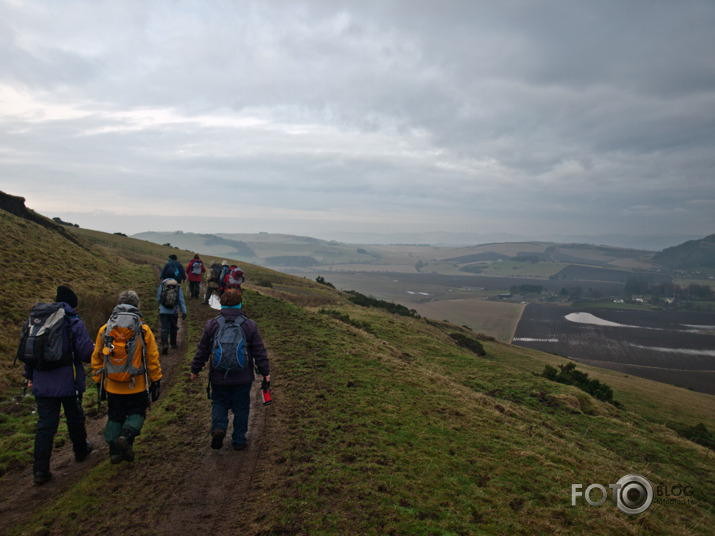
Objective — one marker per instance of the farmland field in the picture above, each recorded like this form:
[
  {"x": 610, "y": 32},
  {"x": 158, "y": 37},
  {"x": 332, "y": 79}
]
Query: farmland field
[{"x": 671, "y": 347}]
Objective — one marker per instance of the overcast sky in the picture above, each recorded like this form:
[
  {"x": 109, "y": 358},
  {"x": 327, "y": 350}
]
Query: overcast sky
[{"x": 529, "y": 118}]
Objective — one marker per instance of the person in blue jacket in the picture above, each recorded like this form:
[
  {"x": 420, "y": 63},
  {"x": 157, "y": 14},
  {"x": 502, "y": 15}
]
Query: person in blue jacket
[
  {"x": 62, "y": 388},
  {"x": 173, "y": 269},
  {"x": 169, "y": 316}
]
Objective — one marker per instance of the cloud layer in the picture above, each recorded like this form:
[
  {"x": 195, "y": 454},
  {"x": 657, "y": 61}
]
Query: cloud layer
[{"x": 534, "y": 119}]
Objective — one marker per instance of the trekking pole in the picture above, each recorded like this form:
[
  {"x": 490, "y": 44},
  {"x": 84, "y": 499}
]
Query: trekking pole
[
  {"x": 99, "y": 392},
  {"x": 146, "y": 377}
]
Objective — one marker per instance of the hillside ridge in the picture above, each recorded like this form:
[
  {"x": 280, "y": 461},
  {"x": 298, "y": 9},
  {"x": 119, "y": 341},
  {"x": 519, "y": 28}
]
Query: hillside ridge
[{"x": 382, "y": 423}]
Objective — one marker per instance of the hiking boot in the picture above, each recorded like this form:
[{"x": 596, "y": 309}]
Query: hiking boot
[
  {"x": 240, "y": 446},
  {"x": 116, "y": 458},
  {"x": 83, "y": 456},
  {"x": 125, "y": 448},
  {"x": 217, "y": 439},
  {"x": 40, "y": 477},
  {"x": 164, "y": 349}
]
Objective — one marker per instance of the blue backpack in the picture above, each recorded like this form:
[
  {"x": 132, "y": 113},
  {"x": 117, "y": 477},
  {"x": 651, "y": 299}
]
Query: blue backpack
[{"x": 229, "y": 351}]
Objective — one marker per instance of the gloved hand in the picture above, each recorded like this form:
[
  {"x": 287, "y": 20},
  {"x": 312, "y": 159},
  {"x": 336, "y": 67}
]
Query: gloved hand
[
  {"x": 183, "y": 316},
  {"x": 155, "y": 390},
  {"x": 101, "y": 393}
]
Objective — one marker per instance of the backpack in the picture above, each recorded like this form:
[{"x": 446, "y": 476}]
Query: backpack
[
  {"x": 234, "y": 278},
  {"x": 196, "y": 268},
  {"x": 169, "y": 293},
  {"x": 42, "y": 338},
  {"x": 229, "y": 350},
  {"x": 123, "y": 344},
  {"x": 215, "y": 272}
]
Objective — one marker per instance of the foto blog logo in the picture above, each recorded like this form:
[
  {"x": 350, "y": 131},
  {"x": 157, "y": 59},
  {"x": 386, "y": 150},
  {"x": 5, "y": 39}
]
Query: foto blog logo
[{"x": 632, "y": 494}]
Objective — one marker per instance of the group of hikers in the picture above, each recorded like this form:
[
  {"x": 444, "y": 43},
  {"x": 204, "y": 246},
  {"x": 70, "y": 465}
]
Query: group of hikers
[{"x": 125, "y": 362}]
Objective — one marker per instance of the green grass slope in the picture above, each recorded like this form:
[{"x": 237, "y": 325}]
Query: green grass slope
[{"x": 382, "y": 424}]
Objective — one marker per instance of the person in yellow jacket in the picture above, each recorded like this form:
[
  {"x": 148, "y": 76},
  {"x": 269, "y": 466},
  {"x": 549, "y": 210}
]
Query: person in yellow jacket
[{"x": 128, "y": 383}]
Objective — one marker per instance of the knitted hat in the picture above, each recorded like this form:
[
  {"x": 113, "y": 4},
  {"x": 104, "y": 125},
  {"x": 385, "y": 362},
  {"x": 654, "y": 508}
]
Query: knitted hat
[
  {"x": 65, "y": 294},
  {"x": 231, "y": 297},
  {"x": 172, "y": 257}
]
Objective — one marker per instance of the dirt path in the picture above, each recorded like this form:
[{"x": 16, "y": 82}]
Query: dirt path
[
  {"x": 19, "y": 497},
  {"x": 211, "y": 498}
]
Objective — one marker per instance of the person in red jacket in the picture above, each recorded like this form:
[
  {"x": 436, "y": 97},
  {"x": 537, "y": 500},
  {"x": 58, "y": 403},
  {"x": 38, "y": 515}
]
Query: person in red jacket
[{"x": 195, "y": 273}]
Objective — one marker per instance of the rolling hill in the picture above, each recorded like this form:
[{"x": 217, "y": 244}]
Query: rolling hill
[{"x": 382, "y": 423}]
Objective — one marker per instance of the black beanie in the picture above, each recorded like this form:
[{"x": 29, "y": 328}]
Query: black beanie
[{"x": 65, "y": 294}]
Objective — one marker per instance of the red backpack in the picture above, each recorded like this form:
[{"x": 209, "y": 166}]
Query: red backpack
[{"x": 234, "y": 278}]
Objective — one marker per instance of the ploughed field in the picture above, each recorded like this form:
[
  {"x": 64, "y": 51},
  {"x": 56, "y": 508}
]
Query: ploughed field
[{"x": 671, "y": 347}]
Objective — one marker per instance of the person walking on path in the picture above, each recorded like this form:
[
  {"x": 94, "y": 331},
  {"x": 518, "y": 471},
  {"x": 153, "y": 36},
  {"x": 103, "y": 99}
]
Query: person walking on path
[
  {"x": 195, "y": 274},
  {"x": 61, "y": 387},
  {"x": 214, "y": 281},
  {"x": 129, "y": 386},
  {"x": 230, "y": 390},
  {"x": 224, "y": 271},
  {"x": 173, "y": 269},
  {"x": 171, "y": 301}
]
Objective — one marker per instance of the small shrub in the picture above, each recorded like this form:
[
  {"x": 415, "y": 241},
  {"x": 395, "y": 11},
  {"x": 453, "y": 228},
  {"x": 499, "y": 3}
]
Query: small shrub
[
  {"x": 468, "y": 343},
  {"x": 321, "y": 280},
  {"x": 366, "y": 301},
  {"x": 697, "y": 434},
  {"x": 570, "y": 376},
  {"x": 264, "y": 283}
]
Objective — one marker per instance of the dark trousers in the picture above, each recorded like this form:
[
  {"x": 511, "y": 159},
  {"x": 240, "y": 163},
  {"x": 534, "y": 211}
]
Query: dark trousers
[
  {"x": 169, "y": 328},
  {"x": 194, "y": 287},
  {"x": 48, "y": 420},
  {"x": 126, "y": 415},
  {"x": 236, "y": 398}
]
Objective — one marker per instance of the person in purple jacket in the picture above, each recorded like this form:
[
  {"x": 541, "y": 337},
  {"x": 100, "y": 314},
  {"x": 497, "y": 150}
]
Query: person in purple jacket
[
  {"x": 61, "y": 387},
  {"x": 231, "y": 390}
]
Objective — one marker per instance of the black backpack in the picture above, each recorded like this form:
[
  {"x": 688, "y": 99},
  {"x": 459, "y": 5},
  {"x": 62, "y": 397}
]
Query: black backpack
[
  {"x": 215, "y": 272},
  {"x": 42, "y": 338}
]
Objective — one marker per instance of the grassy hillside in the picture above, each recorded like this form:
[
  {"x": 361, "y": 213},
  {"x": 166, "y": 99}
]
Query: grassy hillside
[{"x": 382, "y": 424}]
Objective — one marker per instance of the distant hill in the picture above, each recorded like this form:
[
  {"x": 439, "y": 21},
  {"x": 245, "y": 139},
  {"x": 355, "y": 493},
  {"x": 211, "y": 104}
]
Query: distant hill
[{"x": 690, "y": 255}]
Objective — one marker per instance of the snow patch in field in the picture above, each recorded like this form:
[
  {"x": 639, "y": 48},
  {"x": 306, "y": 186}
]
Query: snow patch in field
[{"x": 588, "y": 318}]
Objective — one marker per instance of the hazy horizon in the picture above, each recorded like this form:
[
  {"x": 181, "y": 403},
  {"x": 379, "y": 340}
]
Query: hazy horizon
[{"x": 368, "y": 119}]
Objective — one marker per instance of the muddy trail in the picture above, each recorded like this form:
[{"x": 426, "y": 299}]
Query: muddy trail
[{"x": 213, "y": 481}]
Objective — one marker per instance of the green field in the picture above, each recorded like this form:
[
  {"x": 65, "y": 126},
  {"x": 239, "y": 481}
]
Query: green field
[{"x": 391, "y": 427}]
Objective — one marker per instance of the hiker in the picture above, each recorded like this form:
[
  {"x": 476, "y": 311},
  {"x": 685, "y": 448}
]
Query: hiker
[
  {"x": 232, "y": 279},
  {"x": 173, "y": 269},
  {"x": 230, "y": 385},
  {"x": 195, "y": 274},
  {"x": 126, "y": 368},
  {"x": 214, "y": 280},
  {"x": 58, "y": 385},
  {"x": 171, "y": 301},
  {"x": 224, "y": 271}
]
